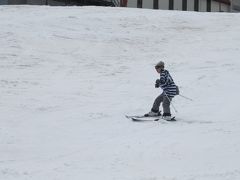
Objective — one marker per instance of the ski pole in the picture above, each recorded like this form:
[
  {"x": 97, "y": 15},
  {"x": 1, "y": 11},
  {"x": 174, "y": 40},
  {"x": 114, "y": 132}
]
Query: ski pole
[
  {"x": 171, "y": 102},
  {"x": 186, "y": 97}
]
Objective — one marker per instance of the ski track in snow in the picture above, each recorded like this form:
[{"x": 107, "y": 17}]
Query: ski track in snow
[{"x": 68, "y": 75}]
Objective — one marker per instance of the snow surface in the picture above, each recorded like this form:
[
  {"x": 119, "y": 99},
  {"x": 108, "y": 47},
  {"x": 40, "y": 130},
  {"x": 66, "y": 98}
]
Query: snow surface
[{"x": 68, "y": 76}]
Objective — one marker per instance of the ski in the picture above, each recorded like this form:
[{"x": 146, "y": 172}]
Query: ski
[
  {"x": 135, "y": 116},
  {"x": 144, "y": 119}
]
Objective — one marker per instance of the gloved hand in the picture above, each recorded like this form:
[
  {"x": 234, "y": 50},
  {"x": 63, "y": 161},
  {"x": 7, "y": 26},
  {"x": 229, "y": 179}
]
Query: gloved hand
[{"x": 157, "y": 83}]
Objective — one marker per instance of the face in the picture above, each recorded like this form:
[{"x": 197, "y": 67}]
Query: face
[{"x": 158, "y": 69}]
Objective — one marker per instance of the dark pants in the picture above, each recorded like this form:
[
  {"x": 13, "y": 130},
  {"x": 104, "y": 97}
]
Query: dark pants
[{"x": 165, "y": 100}]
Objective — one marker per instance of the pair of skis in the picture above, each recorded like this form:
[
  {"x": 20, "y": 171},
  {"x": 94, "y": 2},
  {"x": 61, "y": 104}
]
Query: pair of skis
[{"x": 152, "y": 118}]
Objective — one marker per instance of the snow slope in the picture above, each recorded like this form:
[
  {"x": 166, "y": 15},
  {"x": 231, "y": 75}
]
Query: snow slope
[{"x": 68, "y": 75}]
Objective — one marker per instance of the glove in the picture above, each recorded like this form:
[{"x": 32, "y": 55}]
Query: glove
[{"x": 157, "y": 83}]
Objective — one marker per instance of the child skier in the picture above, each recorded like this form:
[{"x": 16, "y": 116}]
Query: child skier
[{"x": 169, "y": 91}]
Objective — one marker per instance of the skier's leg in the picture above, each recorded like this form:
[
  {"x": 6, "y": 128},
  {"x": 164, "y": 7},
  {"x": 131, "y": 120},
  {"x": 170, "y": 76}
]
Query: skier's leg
[
  {"x": 155, "y": 108},
  {"x": 166, "y": 106},
  {"x": 157, "y": 103}
]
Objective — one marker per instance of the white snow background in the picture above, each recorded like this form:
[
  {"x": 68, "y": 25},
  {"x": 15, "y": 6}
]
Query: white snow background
[{"x": 69, "y": 75}]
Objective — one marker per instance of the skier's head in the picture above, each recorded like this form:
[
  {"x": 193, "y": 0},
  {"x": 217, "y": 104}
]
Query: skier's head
[{"x": 159, "y": 66}]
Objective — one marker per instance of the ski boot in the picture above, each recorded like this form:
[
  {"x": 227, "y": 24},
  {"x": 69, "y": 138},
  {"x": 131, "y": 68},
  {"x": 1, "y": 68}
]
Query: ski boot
[
  {"x": 167, "y": 116},
  {"x": 153, "y": 113}
]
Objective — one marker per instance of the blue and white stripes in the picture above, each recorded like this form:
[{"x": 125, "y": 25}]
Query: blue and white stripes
[{"x": 167, "y": 84}]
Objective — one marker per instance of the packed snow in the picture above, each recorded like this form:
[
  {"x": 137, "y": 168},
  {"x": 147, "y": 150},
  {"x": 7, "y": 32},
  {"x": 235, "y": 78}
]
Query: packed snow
[{"x": 69, "y": 75}]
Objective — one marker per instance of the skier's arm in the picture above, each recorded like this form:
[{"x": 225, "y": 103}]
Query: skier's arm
[{"x": 163, "y": 81}]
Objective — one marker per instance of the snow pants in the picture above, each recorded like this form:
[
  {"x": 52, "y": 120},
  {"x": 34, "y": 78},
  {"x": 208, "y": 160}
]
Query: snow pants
[{"x": 162, "y": 98}]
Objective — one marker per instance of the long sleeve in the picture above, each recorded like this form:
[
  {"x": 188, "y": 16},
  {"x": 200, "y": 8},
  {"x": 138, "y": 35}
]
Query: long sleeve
[{"x": 167, "y": 83}]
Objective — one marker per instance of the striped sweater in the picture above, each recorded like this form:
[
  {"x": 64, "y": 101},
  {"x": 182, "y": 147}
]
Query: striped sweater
[{"x": 167, "y": 84}]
